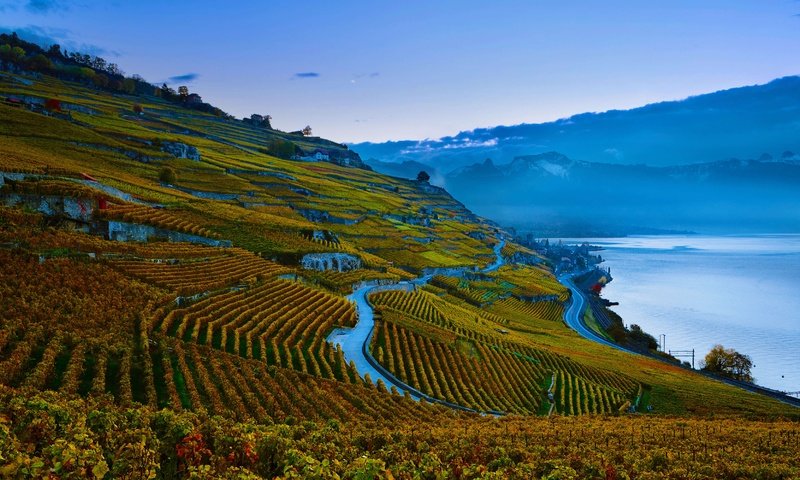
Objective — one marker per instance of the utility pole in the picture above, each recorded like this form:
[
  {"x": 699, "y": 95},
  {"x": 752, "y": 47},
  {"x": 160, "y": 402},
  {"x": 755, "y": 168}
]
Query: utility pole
[{"x": 683, "y": 354}]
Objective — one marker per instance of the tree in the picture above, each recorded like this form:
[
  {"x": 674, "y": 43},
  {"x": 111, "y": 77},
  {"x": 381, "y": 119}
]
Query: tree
[
  {"x": 40, "y": 63},
  {"x": 729, "y": 363},
  {"x": 137, "y": 109},
  {"x": 307, "y": 131},
  {"x": 129, "y": 86},
  {"x": 101, "y": 80},
  {"x": 423, "y": 176},
  {"x": 98, "y": 63},
  {"x": 183, "y": 91},
  {"x": 55, "y": 51},
  {"x": 114, "y": 69},
  {"x": 167, "y": 93},
  {"x": 5, "y": 52},
  {"x": 17, "y": 54},
  {"x": 281, "y": 148},
  {"x": 168, "y": 175},
  {"x": 87, "y": 73}
]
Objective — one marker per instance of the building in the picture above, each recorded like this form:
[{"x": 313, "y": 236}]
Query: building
[
  {"x": 194, "y": 99},
  {"x": 315, "y": 156}
]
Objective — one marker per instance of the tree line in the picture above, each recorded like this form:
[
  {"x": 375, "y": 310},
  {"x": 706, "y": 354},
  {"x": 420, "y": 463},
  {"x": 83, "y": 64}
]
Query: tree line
[{"x": 17, "y": 55}]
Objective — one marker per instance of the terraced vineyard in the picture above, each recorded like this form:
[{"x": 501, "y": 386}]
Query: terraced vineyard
[
  {"x": 196, "y": 378},
  {"x": 197, "y": 275},
  {"x": 236, "y": 331},
  {"x": 487, "y": 381},
  {"x": 544, "y": 310},
  {"x": 156, "y": 217},
  {"x": 280, "y": 322}
]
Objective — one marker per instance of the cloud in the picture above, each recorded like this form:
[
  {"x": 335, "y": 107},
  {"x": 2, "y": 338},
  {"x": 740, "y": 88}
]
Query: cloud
[
  {"x": 306, "y": 75},
  {"x": 185, "y": 78},
  {"x": 46, "y": 36},
  {"x": 46, "y": 6},
  {"x": 617, "y": 154},
  {"x": 359, "y": 76},
  {"x": 470, "y": 143}
]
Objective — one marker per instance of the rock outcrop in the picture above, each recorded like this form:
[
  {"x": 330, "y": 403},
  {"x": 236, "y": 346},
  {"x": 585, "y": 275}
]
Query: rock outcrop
[
  {"x": 135, "y": 232},
  {"x": 341, "y": 262},
  {"x": 181, "y": 150}
]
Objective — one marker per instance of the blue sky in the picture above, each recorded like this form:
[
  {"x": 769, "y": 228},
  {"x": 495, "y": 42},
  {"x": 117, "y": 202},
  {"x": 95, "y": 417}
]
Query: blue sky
[{"x": 378, "y": 70}]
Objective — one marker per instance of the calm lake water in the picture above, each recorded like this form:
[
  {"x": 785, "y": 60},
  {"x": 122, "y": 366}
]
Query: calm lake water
[{"x": 739, "y": 291}]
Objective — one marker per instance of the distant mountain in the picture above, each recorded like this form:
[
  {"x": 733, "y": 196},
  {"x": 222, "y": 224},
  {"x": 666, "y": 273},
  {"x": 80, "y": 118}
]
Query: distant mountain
[
  {"x": 565, "y": 196},
  {"x": 740, "y": 122}
]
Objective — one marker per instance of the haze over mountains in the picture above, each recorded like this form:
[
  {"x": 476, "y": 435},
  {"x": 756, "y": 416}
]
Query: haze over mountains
[
  {"x": 717, "y": 163},
  {"x": 550, "y": 193}
]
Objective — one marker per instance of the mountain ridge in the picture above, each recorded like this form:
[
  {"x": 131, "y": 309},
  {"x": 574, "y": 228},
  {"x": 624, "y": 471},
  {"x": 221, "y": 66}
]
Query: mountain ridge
[{"x": 744, "y": 121}]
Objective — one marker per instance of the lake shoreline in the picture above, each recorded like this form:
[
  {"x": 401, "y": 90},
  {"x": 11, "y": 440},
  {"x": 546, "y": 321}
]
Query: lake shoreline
[{"x": 736, "y": 290}]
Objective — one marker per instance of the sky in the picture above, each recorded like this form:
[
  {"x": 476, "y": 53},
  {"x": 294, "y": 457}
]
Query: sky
[{"x": 387, "y": 70}]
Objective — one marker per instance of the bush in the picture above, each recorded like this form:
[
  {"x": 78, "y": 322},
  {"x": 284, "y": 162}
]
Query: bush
[
  {"x": 168, "y": 175},
  {"x": 52, "y": 105}
]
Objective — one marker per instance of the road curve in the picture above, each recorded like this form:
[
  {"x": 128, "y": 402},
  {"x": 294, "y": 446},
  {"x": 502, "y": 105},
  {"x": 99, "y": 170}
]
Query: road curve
[
  {"x": 573, "y": 316},
  {"x": 355, "y": 341},
  {"x": 499, "y": 261}
]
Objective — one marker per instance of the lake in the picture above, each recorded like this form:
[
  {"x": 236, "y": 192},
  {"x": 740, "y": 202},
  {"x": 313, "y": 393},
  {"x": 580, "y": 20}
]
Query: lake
[{"x": 739, "y": 291}]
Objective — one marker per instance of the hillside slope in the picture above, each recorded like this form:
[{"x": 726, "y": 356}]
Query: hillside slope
[{"x": 144, "y": 281}]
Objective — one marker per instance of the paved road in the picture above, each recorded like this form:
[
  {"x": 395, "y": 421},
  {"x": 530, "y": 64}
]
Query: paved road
[
  {"x": 573, "y": 316},
  {"x": 499, "y": 261},
  {"x": 355, "y": 341}
]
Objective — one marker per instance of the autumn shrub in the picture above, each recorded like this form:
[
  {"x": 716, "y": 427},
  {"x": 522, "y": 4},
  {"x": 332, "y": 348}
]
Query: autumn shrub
[
  {"x": 167, "y": 175},
  {"x": 52, "y": 105}
]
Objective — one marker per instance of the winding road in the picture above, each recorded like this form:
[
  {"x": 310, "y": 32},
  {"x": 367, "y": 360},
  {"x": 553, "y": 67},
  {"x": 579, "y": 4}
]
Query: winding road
[
  {"x": 355, "y": 341},
  {"x": 573, "y": 316}
]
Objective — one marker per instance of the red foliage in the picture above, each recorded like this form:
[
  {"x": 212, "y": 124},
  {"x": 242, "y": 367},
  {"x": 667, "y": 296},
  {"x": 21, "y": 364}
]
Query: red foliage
[
  {"x": 247, "y": 457},
  {"x": 192, "y": 450},
  {"x": 611, "y": 472},
  {"x": 52, "y": 105},
  {"x": 596, "y": 288}
]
